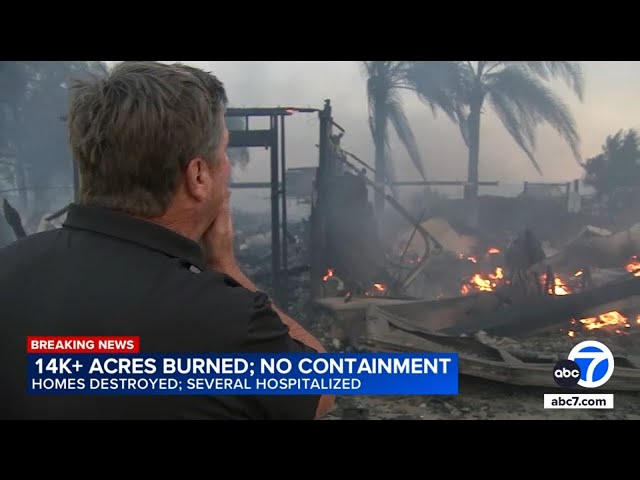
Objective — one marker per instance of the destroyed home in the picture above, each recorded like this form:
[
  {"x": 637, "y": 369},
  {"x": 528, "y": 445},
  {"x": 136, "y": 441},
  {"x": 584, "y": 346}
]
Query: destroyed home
[{"x": 510, "y": 283}]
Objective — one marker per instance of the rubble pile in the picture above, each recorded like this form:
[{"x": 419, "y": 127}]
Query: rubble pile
[{"x": 525, "y": 296}]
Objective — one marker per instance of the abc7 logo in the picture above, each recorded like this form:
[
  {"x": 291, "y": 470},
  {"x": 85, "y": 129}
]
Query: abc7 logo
[{"x": 590, "y": 364}]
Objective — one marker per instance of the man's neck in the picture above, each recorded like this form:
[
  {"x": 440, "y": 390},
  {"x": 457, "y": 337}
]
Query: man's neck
[{"x": 178, "y": 223}]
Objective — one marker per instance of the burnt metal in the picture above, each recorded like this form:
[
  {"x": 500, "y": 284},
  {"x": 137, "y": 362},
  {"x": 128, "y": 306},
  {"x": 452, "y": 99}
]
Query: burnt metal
[{"x": 272, "y": 138}]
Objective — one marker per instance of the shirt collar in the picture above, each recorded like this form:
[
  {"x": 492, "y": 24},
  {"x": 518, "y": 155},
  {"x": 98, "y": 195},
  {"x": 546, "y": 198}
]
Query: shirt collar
[{"x": 126, "y": 227}]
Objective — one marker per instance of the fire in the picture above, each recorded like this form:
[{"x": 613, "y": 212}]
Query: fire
[
  {"x": 612, "y": 322},
  {"x": 493, "y": 251},
  {"x": 559, "y": 287},
  {"x": 328, "y": 275},
  {"x": 483, "y": 283},
  {"x": 379, "y": 287},
  {"x": 633, "y": 266},
  {"x": 608, "y": 319}
]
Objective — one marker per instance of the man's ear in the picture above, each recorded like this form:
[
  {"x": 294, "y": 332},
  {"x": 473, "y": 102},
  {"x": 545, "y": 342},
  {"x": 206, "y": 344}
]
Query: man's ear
[{"x": 197, "y": 178}]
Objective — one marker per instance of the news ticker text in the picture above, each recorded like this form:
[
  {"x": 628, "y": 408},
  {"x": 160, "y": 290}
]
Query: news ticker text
[{"x": 78, "y": 365}]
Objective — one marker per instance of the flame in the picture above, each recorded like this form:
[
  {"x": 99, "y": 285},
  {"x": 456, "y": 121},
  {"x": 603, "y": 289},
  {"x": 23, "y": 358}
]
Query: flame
[
  {"x": 579, "y": 273},
  {"x": 493, "y": 251},
  {"x": 559, "y": 286},
  {"x": 328, "y": 275},
  {"x": 633, "y": 266},
  {"x": 608, "y": 319},
  {"x": 380, "y": 287},
  {"x": 613, "y": 322},
  {"x": 483, "y": 283},
  {"x": 472, "y": 259}
]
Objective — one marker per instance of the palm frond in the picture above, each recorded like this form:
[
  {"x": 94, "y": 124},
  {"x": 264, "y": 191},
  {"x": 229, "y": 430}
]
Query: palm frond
[
  {"x": 437, "y": 84},
  {"x": 534, "y": 102},
  {"x": 401, "y": 125},
  {"x": 569, "y": 72},
  {"x": 518, "y": 123},
  {"x": 379, "y": 89}
]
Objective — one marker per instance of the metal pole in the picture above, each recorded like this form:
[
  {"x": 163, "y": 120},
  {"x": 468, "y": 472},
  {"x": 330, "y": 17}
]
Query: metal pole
[
  {"x": 285, "y": 236},
  {"x": 275, "y": 213}
]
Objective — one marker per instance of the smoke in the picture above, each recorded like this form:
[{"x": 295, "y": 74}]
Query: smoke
[
  {"x": 37, "y": 163},
  {"x": 611, "y": 102}
]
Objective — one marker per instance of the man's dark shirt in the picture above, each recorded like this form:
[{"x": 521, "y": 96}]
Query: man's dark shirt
[{"x": 106, "y": 273}]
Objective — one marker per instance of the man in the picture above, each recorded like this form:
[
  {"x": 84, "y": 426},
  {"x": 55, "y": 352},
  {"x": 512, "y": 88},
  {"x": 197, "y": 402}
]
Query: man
[{"x": 146, "y": 251}]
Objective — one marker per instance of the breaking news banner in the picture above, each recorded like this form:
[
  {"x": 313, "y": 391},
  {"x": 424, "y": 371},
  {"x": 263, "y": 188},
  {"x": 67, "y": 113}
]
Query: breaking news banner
[{"x": 115, "y": 366}]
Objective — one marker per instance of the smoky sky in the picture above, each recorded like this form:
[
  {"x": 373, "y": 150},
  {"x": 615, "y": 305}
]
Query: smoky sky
[{"x": 611, "y": 102}]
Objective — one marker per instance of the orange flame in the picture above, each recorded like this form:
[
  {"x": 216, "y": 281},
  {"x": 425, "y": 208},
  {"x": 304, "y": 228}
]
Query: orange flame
[
  {"x": 380, "y": 287},
  {"x": 633, "y": 266},
  {"x": 608, "y": 319},
  {"x": 493, "y": 251},
  {"x": 328, "y": 275},
  {"x": 483, "y": 283},
  {"x": 559, "y": 286}
]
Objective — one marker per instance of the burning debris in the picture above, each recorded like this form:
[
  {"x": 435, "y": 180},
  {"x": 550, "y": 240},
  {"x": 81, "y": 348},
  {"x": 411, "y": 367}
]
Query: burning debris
[
  {"x": 633, "y": 266},
  {"x": 334, "y": 286},
  {"x": 503, "y": 291}
]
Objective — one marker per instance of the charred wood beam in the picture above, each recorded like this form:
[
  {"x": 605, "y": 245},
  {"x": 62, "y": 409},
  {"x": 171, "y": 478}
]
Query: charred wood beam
[
  {"x": 267, "y": 112},
  {"x": 250, "y": 138}
]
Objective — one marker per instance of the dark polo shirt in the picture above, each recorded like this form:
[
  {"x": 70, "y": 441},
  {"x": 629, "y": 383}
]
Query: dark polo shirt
[{"x": 106, "y": 273}]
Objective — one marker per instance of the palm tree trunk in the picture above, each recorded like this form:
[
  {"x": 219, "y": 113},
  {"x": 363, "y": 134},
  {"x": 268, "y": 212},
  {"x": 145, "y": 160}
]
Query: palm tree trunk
[
  {"x": 471, "y": 189},
  {"x": 471, "y": 192},
  {"x": 380, "y": 160}
]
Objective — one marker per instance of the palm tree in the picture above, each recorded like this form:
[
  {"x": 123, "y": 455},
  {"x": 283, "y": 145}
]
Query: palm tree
[
  {"x": 385, "y": 81},
  {"x": 519, "y": 94}
]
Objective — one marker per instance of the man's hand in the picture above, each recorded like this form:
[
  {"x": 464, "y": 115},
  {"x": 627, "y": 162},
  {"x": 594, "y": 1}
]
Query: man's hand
[
  {"x": 218, "y": 247},
  {"x": 218, "y": 241}
]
